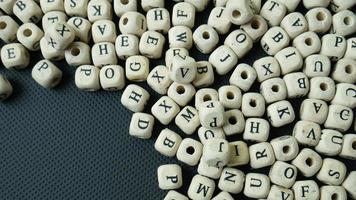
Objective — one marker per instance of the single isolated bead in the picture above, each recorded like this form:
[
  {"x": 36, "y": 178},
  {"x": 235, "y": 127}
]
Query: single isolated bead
[
  {"x": 103, "y": 53},
  {"x": 183, "y": 69},
  {"x": 239, "y": 12},
  {"x": 180, "y": 37},
  {"x": 256, "y": 130},
  {"x": 345, "y": 71},
  {"x": 103, "y": 31},
  {"x": 205, "y": 38},
  {"x": 314, "y": 110},
  {"x": 151, "y": 44},
  {"x": 27, "y": 11},
  {"x": 212, "y": 114},
  {"x": 46, "y": 74},
  {"x": 243, "y": 77},
  {"x": 332, "y": 172},
  {"x": 230, "y": 96},
  {"x": 273, "y": 12},
  {"x": 322, "y": 88},
  {"x": 339, "y": 118},
  {"x": 126, "y": 45},
  {"x": 205, "y": 75},
  {"x": 141, "y": 125},
  {"x": 333, "y": 46},
  {"x": 158, "y": 79},
  {"x": 169, "y": 177},
  {"x": 204, "y": 95},
  {"x": 330, "y": 192},
  {"x": 344, "y": 23},
  {"x": 289, "y": 59},
  {"x": 280, "y": 113},
  {"x": 330, "y": 143},
  {"x": 5, "y": 88},
  {"x": 294, "y": 24},
  {"x": 183, "y": 14},
  {"x": 165, "y": 110},
  {"x": 81, "y": 27},
  {"x": 253, "y": 105},
  {"x": 307, "y": 133},
  {"x": 98, "y": 9},
  {"x": 273, "y": 90},
  {"x": 219, "y": 20},
  {"x": 297, "y": 84},
  {"x": 266, "y": 68},
  {"x": 15, "y": 56},
  {"x": 256, "y": 28},
  {"x": 283, "y": 174},
  {"x": 239, "y": 42},
  {"x": 158, "y": 19},
  {"x": 133, "y": 23},
  {"x": 308, "y": 162},
  {"x": 76, "y": 8}
]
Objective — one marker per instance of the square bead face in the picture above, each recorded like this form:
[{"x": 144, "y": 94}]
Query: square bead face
[
  {"x": 141, "y": 125},
  {"x": 256, "y": 185},
  {"x": 137, "y": 68},
  {"x": 274, "y": 40},
  {"x": 188, "y": 120},
  {"x": 112, "y": 78},
  {"x": 201, "y": 188},
  {"x": 135, "y": 98},
  {"x": 283, "y": 174},
  {"x": 169, "y": 177},
  {"x": 306, "y": 190},
  {"x": 168, "y": 142},
  {"x": 87, "y": 78},
  {"x": 216, "y": 152},
  {"x": 158, "y": 79},
  {"x": 46, "y": 74},
  {"x": 239, "y": 154},
  {"x": 189, "y": 151},
  {"x": 256, "y": 129},
  {"x": 158, "y": 19},
  {"x": 332, "y": 172},
  {"x": 330, "y": 143},
  {"x": 165, "y": 110},
  {"x": 307, "y": 133},
  {"x": 285, "y": 148},
  {"x": 151, "y": 44},
  {"x": 223, "y": 59},
  {"x": 234, "y": 122},
  {"x": 103, "y": 54},
  {"x": 308, "y": 162},
  {"x": 231, "y": 180},
  {"x": 261, "y": 155}
]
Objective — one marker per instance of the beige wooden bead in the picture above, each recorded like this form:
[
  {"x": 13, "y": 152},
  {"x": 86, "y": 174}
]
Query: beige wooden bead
[
  {"x": 285, "y": 147},
  {"x": 308, "y": 162},
  {"x": 261, "y": 155},
  {"x": 5, "y": 88},
  {"x": 205, "y": 38},
  {"x": 239, "y": 42},
  {"x": 183, "y": 69},
  {"x": 151, "y": 4},
  {"x": 231, "y": 180},
  {"x": 223, "y": 196},
  {"x": 189, "y": 151},
  {"x": 212, "y": 114},
  {"x": 209, "y": 171},
  {"x": 333, "y": 46},
  {"x": 239, "y": 12},
  {"x": 50, "y": 53},
  {"x": 344, "y": 23},
  {"x": 182, "y": 94},
  {"x": 173, "y": 195},
  {"x": 280, "y": 113},
  {"x": 216, "y": 152},
  {"x": 29, "y": 35},
  {"x": 266, "y": 68},
  {"x": 317, "y": 3},
  {"x": 239, "y": 154},
  {"x": 219, "y": 20},
  {"x": 234, "y": 122},
  {"x": 137, "y": 68},
  {"x": 317, "y": 65},
  {"x": 319, "y": 19},
  {"x": 230, "y": 96},
  {"x": 15, "y": 56},
  {"x": 273, "y": 90},
  {"x": 256, "y": 130},
  {"x": 339, "y": 5},
  {"x": 307, "y": 189},
  {"x": 330, "y": 143},
  {"x": 255, "y": 28},
  {"x": 253, "y": 105},
  {"x": 351, "y": 48},
  {"x": 289, "y": 59},
  {"x": 349, "y": 147},
  {"x": 273, "y": 12},
  {"x": 151, "y": 44},
  {"x": 291, "y": 5},
  {"x": 322, "y": 88},
  {"x": 60, "y": 35},
  {"x": 76, "y": 8},
  {"x": 135, "y": 98},
  {"x": 168, "y": 142},
  {"x": 46, "y": 74},
  {"x": 339, "y": 118},
  {"x": 158, "y": 19},
  {"x": 243, "y": 77},
  {"x": 169, "y": 177},
  {"x": 51, "y": 5},
  {"x": 256, "y": 185},
  {"x": 204, "y": 95},
  {"x": 103, "y": 53},
  {"x": 200, "y": 5},
  {"x": 205, "y": 74},
  {"x": 180, "y": 37},
  {"x": 81, "y": 27},
  {"x": 314, "y": 110},
  {"x": 277, "y": 192},
  {"x": 98, "y": 9},
  {"x": 206, "y": 134},
  {"x": 120, "y": 6},
  {"x": 330, "y": 192},
  {"x": 8, "y": 29},
  {"x": 307, "y": 133},
  {"x": 307, "y": 43},
  {"x": 223, "y": 59},
  {"x": 345, "y": 71},
  {"x": 201, "y": 188},
  {"x": 158, "y": 79},
  {"x": 332, "y": 172},
  {"x": 349, "y": 184},
  {"x": 53, "y": 17},
  {"x": 112, "y": 77},
  {"x": 7, "y": 6},
  {"x": 165, "y": 110},
  {"x": 283, "y": 174},
  {"x": 141, "y": 125},
  {"x": 170, "y": 53},
  {"x": 297, "y": 84},
  {"x": 274, "y": 40},
  {"x": 27, "y": 11},
  {"x": 133, "y": 22},
  {"x": 126, "y": 45},
  {"x": 78, "y": 53},
  {"x": 183, "y": 14},
  {"x": 87, "y": 78},
  {"x": 103, "y": 31}
]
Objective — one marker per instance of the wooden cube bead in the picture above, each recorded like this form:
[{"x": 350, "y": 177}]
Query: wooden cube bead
[
  {"x": 81, "y": 27},
  {"x": 234, "y": 122},
  {"x": 183, "y": 69},
  {"x": 183, "y": 14},
  {"x": 205, "y": 94},
  {"x": 27, "y": 11},
  {"x": 261, "y": 155},
  {"x": 223, "y": 196},
  {"x": 231, "y": 180},
  {"x": 274, "y": 40},
  {"x": 223, "y": 59},
  {"x": 256, "y": 185},
  {"x": 330, "y": 143},
  {"x": 273, "y": 12},
  {"x": 205, "y": 74},
  {"x": 351, "y": 48},
  {"x": 137, "y": 68},
  {"x": 165, "y": 110},
  {"x": 322, "y": 88},
  {"x": 112, "y": 77},
  {"x": 46, "y": 74},
  {"x": 333, "y": 46},
  {"x": 188, "y": 120},
  {"x": 230, "y": 96},
  {"x": 243, "y": 76},
  {"x": 104, "y": 53},
  {"x": 169, "y": 177},
  {"x": 314, "y": 110},
  {"x": 339, "y": 118},
  {"x": 5, "y": 88},
  {"x": 29, "y": 35},
  {"x": 7, "y": 6},
  {"x": 256, "y": 28},
  {"x": 349, "y": 184},
  {"x": 158, "y": 79},
  {"x": 239, "y": 154},
  {"x": 151, "y": 4},
  {"x": 78, "y": 53},
  {"x": 219, "y": 20},
  {"x": 126, "y": 45},
  {"x": 330, "y": 192},
  {"x": 135, "y": 98},
  {"x": 141, "y": 125},
  {"x": 52, "y": 5},
  {"x": 349, "y": 147},
  {"x": 103, "y": 30},
  {"x": 60, "y": 35},
  {"x": 189, "y": 151},
  {"x": 167, "y": 142},
  {"x": 121, "y": 7},
  {"x": 332, "y": 172},
  {"x": 344, "y": 23},
  {"x": 172, "y": 52},
  {"x": 319, "y": 19},
  {"x": 345, "y": 71},
  {"x": 151, "y": 44},
  {"x": 308, "y": 162},
  {"x": 76, "y": 8},
  {"x": 297, "y": 84},
  {"x": 8, "y": 29},
  {"x": 15, "y": 56},
  {"x": 239, "y": 42},
  {"x": 266, "y": 68},
  {"x": 181, "y": 93},
  {"x": 87, "y": 78},
  {"x": 317, "y": 65},
  {"x": 256, "y": 130},
  {"x": 289, "y": 59},
  {"x": 307, "y": 133},
  {"x": 133, "y": 22},
  {"x": 158, "y": 19},
  {"x": 273, "y": 90},
  {"x": 173, "y": 195},
  {"x": 53, "y": 17},
  {"x": 98, "y": 10},
  {"x": 317, "y": 3},
  {"x": 180, "y": 37},
  {"x": 212, "y": 114},
  {"x": 285, "y": 148},
  {"x": 201, "y": 188},
  {"x": 283, "y": 174},
  {"x": 339, "y": 5},
  {"x": 307, "y": 43},
  {"x": 294, "y": 24},
  {"x": 239, "y": 12},
  {"x": 206, "y": 134},
  {"x": 253, "y": 105},
  {"x": 345, "y": 95},
  {"x": 205, "y": 38},
  {"x": 278, "y": 192},
  {"x": 307, "y": 189},
  {"x": 199, "y": 5},
  {"x": 50, "y": 53},
  {"x": 216, "y": 152},
  {"x": 209, "y": 171}
]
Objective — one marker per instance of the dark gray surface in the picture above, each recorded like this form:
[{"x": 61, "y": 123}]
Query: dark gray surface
[{"x": 69, "y": 144}]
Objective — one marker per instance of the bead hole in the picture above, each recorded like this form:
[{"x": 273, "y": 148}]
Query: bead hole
[
  {"x": 207, "y": 98},
  {"x": 230, "y": 95},
  {"x": 253, "y": 103},
  {"x": 2, "y": 25},
  {"x": 125, "y": 21},
  {"x": 285, "y": 149},
  {"x": 255, "y": 24},
  {"x": 27, "y": 32},
  {"x": 309, "y": 41},
  {"x": 320, "y": 16},
  {"x": 347, "y": 21},
  {"x": 323, "y": 86},
  {"x": 275, "y": 88},
  {"x": 334, "y": 196},
  {"x": 75, "y": 51},
  {"x": 244, "y": 75},
  {"x": 232, "y": 120},
  {"x": 190, "y": 150},
  {"x": 348, "y": 69},
  {"x": 309, "y": 162},
  {"x": 206, "y": 35},
  {"x": 236, "y": 14},
  {"x": 354, "y": 145},
  {"x": 124, "y": 2},
  {"x": 180, "y": 89}
]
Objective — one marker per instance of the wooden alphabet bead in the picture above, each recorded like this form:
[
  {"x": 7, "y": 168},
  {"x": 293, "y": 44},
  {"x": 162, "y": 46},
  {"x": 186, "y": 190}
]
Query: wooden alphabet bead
[
  {"x": 201, "y": 188},
  {"x": 219, "y": 20},
  {"x": 183, "y": 69},
  {"x": 158, "y": 19},
  {"x": 76, "y": 8},
  {"x": 205, "y": 74},
  {"x": 339, "y": 5},
  {"x": 231, "y": 180},
  {"x": 283, "y": 174},
  {"x": 180, "y": 37},
  {"x": 274, "y": 40},
  {"x": 280, "y": 113},
  {"x": 253, "y": 105},
  {"x": 87, "y": 78},
  {"x": 339, "y": 118},
  {"x": 239, "y": 42},
  {"x": 223, "y": 196},
  {"x": 261, "y": 155},
  {"x": 133, "y": 22},
  {"x": 141, "y": 125},
  {"x": 243, "y": 77},
  {"x": 256, "y": 28},
  {"x": 181, "y": 93},
  {"x": 158, "y": 79},
  {"x": 98, "y": 10},
  {"x": 50, "y": 53},
  {"x": 278, "y": 192},
  {"x": 273, "y": 90},
  {"x": 319, "y": 20},
  {"x": 234, "y": 122},
  {"x": 230, "y": 96},
  {"x": 345, "y": 95},
  {"x": 307, "y": 133},
  {"x": 52, "y": 5},
  {"x": 308, "y": 163},
  {"x": 29, "y": 35},
  {"x": 273, "y": 12},
  {"x": 307, "y": 43},
  {"x": 183, "y": 14},
  {"x": 204, "y": 95},
  {"x": 344, "y": 23},
  {"x": 209, "y": 171},
  {"x": 59, "y": 35},
  {"x": 78, "y": 53},
  {"x": 104, "y": 53},
  {"x": 188, "y": 120},
  {"x": 7, "y": 6},
  {"x": 206, "y": 134},
  {"x": 170, "y": 53},
  {"x": 239, "y": 12},
  {"x": 308, "y": 189},
  {"x": 256, "y": 130},
  {"x": 212, "y": 114},
  {"x": 344, "y": 71},
  {"x": 289, "y": 59},
  {"x": 126, "y": 45},
  {"x": 318, "y": 3},
  {"x": 216, "y": 152},
  {"x": 294, "y": 24},
  {"x": 46, "y": 74},
  {"x": 205, "y": 38},
  {"x": 173, "y": 195},
  {"x": 151, "y": 4},
  {"x": 351, "y": 48},
  {"x": 314, "y": 110},
  {"x": 223, "y": 59},
  {"x": 27, "y": 11},
  {"x": 349, "y": 147},
  {"x": 239, "y": 154},
  {"x": 120, "y": 7},
  {"x": 168, "y": 142},
  {"x": 137, "y": 68},
  {"x": 285, "y": 148},
  {"x": 112, "y": 78},
  {"x": 53, "y": 17},
  {"x": 322, "y": 88},
  {"x": 8, "y": 29},
  {"x": 317, "y": 65},
  {"x": 165, "y": 110},
  {"x": 297, "y": 84},
  {"x": 189, "y": 151},
  {"x": 169, "y": 177},
  {"x": 151, "y": 44},
  {"x": 332, "y": 172},
  {"x": 349, "y": 184},
  {"x": 135, "y": 98},
  {"x": 330, "y": 143},
  {"x": 81, "y": 27},
  {"x": 333, "y": 46},
  {"x": 256, "y": 185},
  {"x": 329, "y": 192},
  {"x": 5, "y": 88},
  {"x": 266, "y": 68},
  {"x": 15, "y": 56},
  {"x": 103, "y": 30}
]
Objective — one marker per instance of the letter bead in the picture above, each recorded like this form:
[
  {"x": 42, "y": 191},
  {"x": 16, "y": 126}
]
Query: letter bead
[
  {"x": 205, "y": 74},
  {"x": 151, "y": 44},
  {"x": 234, "y": 122},
  {"x": 135, "y": 98},
  {"x": 231, "y": 180},
  {"x": 239, "y": 42},
  {"x": 344, "y": 23},
  {"x": 151, "y": 4},
  {"x": 141, "y": 125},
  {"x": 8, "y": 29},
  {"x": 330, "y": 143},
  {"x": 181, "y": 93},
  {"x": 322, "y": 88},
  {"x": 103, "y": 53},
  {"x": 283, "y": 174},
  {"x": 339, "y": 5},
  {"x": 50, "y": 53},
  {"x": 46, "y": 74},
  {"x": 256, "y": 130},
  {"x": 87, "y": 78},
  {"x": 308, "y": 189},
  {"x": 133, "y": 23},
  {"x": 206, "y": 134},
  {"x": 280, "y": 113},
  {"x": 332, "y": 172},
  {"x": 30, "y": 35},
  {"x": 169, "y": 177},
  {"x": 103, "y": 31},
  {"x": 209, "y": 171},
  {"x": 158, "y": 79},
  {"x": 201, "y": 188},
  {"x": 78, "y": 53},
  {"x": 168, "y": 142},
  {"x": 253, "y": 105},
  {"x": 205, "y": 38},
  {"x": 285, "y": 148},
  {"x": 243, "y": 76},
  {"x": 59, "y": 35},
  {"x": 5, "y": 88},
  {"x": 204, "y": 95},
  {"x": 165, "y": 110},
  {"x": 330, "y": 192},
  {"x": 345, "y": 95},
  {"x": 183, "y": 69},
  {"x": 351, "y": 48},
  {"x": 239, "y": 154},
  {"x": 121, "y": 7},
  {"x": 230, "y": 96},
  {"x": 294, "y": 24},
  {"x": 223, "y": 196},
  {"x": 223, "y": 59},
  {"x": 98, "y": 10},
  {"x": 333, "y": 46},
  {"x": 219, "y": 20},
  {"x": 345, "y": 71},
  {"x": 319, "y": 20},
  {"x": 317, "y": 65},
  {"x": 180, "y": 37},
  {"x": 314, "y": 110},
  {"x": 266, "y": 68},
  {"x": 278, "y": 192},
  {"x": 81, "y": 27},
  {"x": 297, "y": 84},
  {"x": 308, "y": 162},
  {"x": 274, "y": 40},
  {"x": 307, "y": 43},
  {"x": 256, "y": 28},
  {"x": 212, "y": 114},
  {"x": 112, "y": 78},
  {"x": 273, "y": 90},
  {"x": 349, "y": 147},
  {"x": 189, "y": 151},
  {"x": 126, "y": 45},
  {"x": 256, "y": 185},
  {"x": 216, "y": 152},
  {"x": 137, "y": 68},
  {"x": 349, "y": 184},
  {"x": 307, "y": 133},
  {"x": 15, "y": 56},
  {"x": 261, "y": 155},
  {"x": 53, "y": 17},
  {"x": 273, "y": 12},
  {"x": 158, "y": 19},
  {"x": 173, "y": 195},
  {"x": 76, "y": 8},
  {"x": 339, "y": 118},
  {"x": 27, "y": 11},
  {"x": 170, "y": 53},
  {"x": 183, "y": 14},
  {"x": 289, "y": 59},
  {"x": 239, "y": 12}
]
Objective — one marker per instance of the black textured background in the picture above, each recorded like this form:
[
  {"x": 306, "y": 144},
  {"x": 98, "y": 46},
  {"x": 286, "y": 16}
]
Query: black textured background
[{"x": 68, "y": 144}]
